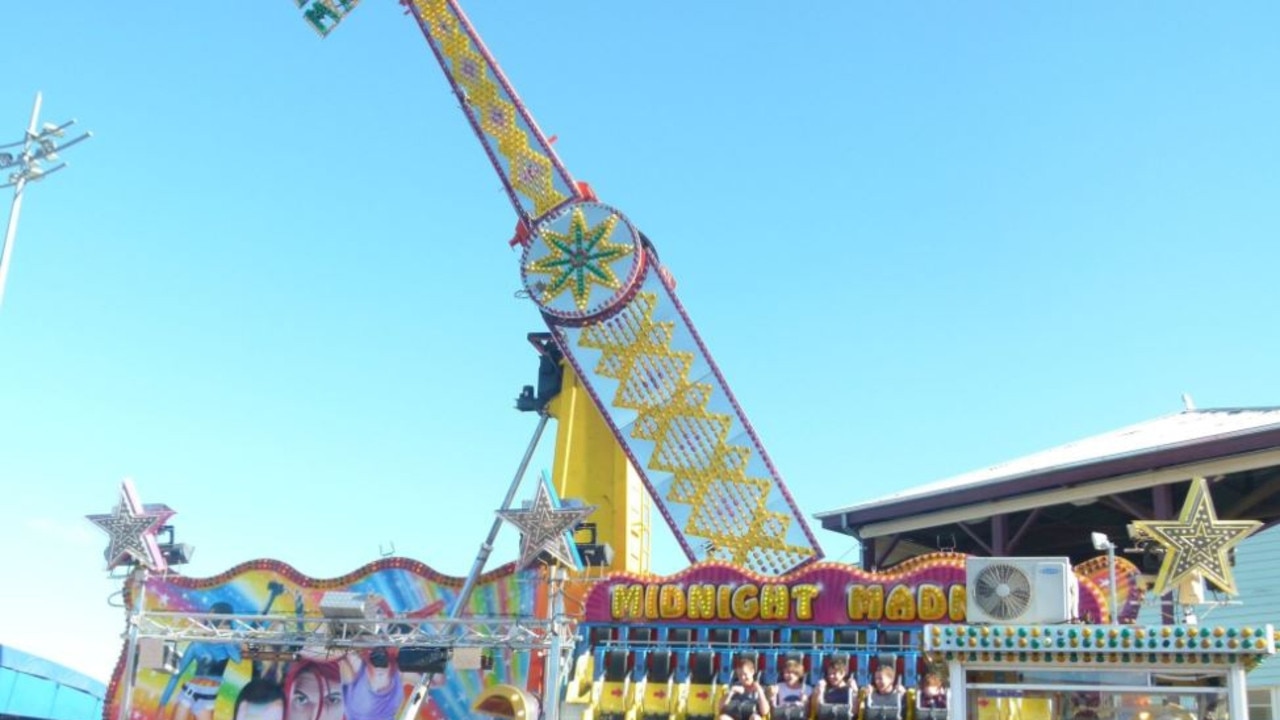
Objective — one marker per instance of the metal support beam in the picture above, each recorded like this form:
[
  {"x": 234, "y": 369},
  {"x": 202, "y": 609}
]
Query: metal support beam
[
  {"x": 1022, "y": 531},
  {"x": 981, "y": 543},
  {"x": 1119, "y": 503},
  {"x": 999, "y": 535},
  {"x": 1265, "y": 491},
  {"x": 893, "y": 545},
  {"x": 1162, "y": 508}
]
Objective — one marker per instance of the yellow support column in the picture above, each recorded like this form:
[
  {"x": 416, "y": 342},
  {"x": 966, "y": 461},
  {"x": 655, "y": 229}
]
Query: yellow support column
[{"x": 589, "y": 465}]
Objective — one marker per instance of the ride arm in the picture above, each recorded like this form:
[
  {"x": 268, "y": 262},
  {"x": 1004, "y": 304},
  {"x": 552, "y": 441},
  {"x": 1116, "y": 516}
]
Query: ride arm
[{"x": 614, "y": 313}]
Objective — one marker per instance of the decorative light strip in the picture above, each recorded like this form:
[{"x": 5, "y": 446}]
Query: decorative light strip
[
  {"x": 692, "y": 446},
  {"x": 523, "y": 158},
  {"x": 1103, "y": 659},
  {"x": 1082, "y": 641}
]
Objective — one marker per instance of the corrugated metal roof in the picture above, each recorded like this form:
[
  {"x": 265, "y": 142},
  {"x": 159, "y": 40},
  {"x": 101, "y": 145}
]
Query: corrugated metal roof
[
  {"x": 1190, "y": 427},
  {"x": 33, "y": 687},
  {"x": 14, "y": 659}
]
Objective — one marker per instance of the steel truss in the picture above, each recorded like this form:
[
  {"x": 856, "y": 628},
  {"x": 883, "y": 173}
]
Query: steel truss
[{"x": 291, "y": 633}]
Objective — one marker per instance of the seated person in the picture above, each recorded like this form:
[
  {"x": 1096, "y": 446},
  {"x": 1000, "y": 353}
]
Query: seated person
[
  {"x": 885, "y": 701},
  {"x": 836, "y": 692},
  {"x": 1084, "y": 706},
  {"x": 932, "y": 694},
  {"x": 746, "y": 699},
  {"x": 790, "y": 697}
]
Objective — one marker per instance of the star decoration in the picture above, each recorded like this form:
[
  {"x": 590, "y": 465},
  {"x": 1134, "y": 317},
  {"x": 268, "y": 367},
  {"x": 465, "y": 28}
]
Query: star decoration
[
  {"x": 579, "y": 259},
  {"x": 132, "y": 531},
  {"x": 547, "y": 527},
  {"x": 1197, "y": 542}
]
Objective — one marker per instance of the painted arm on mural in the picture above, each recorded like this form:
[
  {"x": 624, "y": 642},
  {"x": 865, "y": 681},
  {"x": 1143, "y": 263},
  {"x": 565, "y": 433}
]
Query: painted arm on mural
[
  {"x": 205, "y": 663},
  {"x": 372, "y": 683},
  {"x": 203, "y": 666}
]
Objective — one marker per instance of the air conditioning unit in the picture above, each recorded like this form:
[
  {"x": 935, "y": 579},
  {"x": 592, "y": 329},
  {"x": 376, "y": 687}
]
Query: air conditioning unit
[{"x": 1020, "y": 590}]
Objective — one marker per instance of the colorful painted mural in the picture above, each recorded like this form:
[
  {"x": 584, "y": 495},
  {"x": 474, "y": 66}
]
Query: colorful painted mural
[
  {"x": 337, "y": 649},
  {"x": 227, "y": 676}
]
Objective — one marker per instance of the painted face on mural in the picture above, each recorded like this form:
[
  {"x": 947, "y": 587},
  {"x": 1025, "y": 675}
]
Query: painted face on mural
[
  {"x": 254, "y": 711},
  {"x": 314, "y": 698}
]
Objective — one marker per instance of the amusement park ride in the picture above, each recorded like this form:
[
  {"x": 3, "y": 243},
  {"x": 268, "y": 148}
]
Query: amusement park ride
[{"x": 577, "y": 627}]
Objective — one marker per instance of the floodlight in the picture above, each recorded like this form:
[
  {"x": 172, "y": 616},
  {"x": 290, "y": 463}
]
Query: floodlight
[
  {"x": 35, "y": 147},
  {"x": 338, "y": 605},
  {"x": 177, "y": 553}
]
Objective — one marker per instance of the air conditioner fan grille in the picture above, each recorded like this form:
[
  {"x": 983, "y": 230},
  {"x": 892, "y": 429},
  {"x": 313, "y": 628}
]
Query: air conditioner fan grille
[{"x": 1003, "y": 591}]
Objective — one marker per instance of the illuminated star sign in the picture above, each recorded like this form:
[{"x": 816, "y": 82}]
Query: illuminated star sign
[
  {"x": 579, "y": 259},
  {"x": 547, "y": 527},
  {"x": 132, "y": 531},
  {"x": 1197, "y": 542},
  {"x": 325, "y": 15}
]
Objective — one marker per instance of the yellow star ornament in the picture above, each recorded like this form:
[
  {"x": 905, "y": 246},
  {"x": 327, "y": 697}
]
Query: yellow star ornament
[{"x": 1197, "y": 542}]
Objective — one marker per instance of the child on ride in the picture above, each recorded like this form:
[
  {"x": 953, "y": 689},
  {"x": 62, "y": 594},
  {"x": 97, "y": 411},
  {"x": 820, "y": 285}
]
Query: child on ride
[
  {"x": 790, "y": 698},
  {"x": 932, "y": 694},
  {"x": 746, "y": 699},
  {"x": 836, "y": 692}
]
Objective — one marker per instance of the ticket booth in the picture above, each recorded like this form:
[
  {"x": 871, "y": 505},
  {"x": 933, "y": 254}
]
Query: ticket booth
[{"x": 1087, "y": 672}]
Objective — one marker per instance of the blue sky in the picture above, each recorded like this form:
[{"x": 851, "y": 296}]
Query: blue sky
[{"x": 918, "y": 238}]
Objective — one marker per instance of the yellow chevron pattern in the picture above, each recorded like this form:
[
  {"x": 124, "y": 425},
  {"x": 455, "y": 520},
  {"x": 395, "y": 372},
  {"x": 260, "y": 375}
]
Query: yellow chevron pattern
[
  {"x": 690, "y": 441},
  {"x": 529, "y": 170}
]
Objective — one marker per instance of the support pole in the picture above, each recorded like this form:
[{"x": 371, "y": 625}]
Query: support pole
[
  {"x": 1111, "y": 582},
  {"x": 487, "y": 547},
  {"x": 1237, "y": 692},
  {"x": 464, "y": 595},
  {"x": 35, "y": 148},
  {"x": 11, "y": 230},
  {"x": 555, "y": 663},
  {"x": 129, "y": 673},
  {"x": 959, "y": 690}
]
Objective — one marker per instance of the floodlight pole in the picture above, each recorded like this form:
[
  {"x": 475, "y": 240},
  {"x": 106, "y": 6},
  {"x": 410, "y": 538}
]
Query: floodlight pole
[
  {"x": 37, "y": 145},
  {"x": 1111, "y": 582},
  {"x": 15, "y": 209},
  {"x": 1102, "y": 542}
]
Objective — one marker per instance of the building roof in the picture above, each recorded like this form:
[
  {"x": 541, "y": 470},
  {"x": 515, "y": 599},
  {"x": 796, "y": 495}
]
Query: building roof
[
  {"x": 33, "y": 687},
  {"x": 1178, "y": 439}
]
